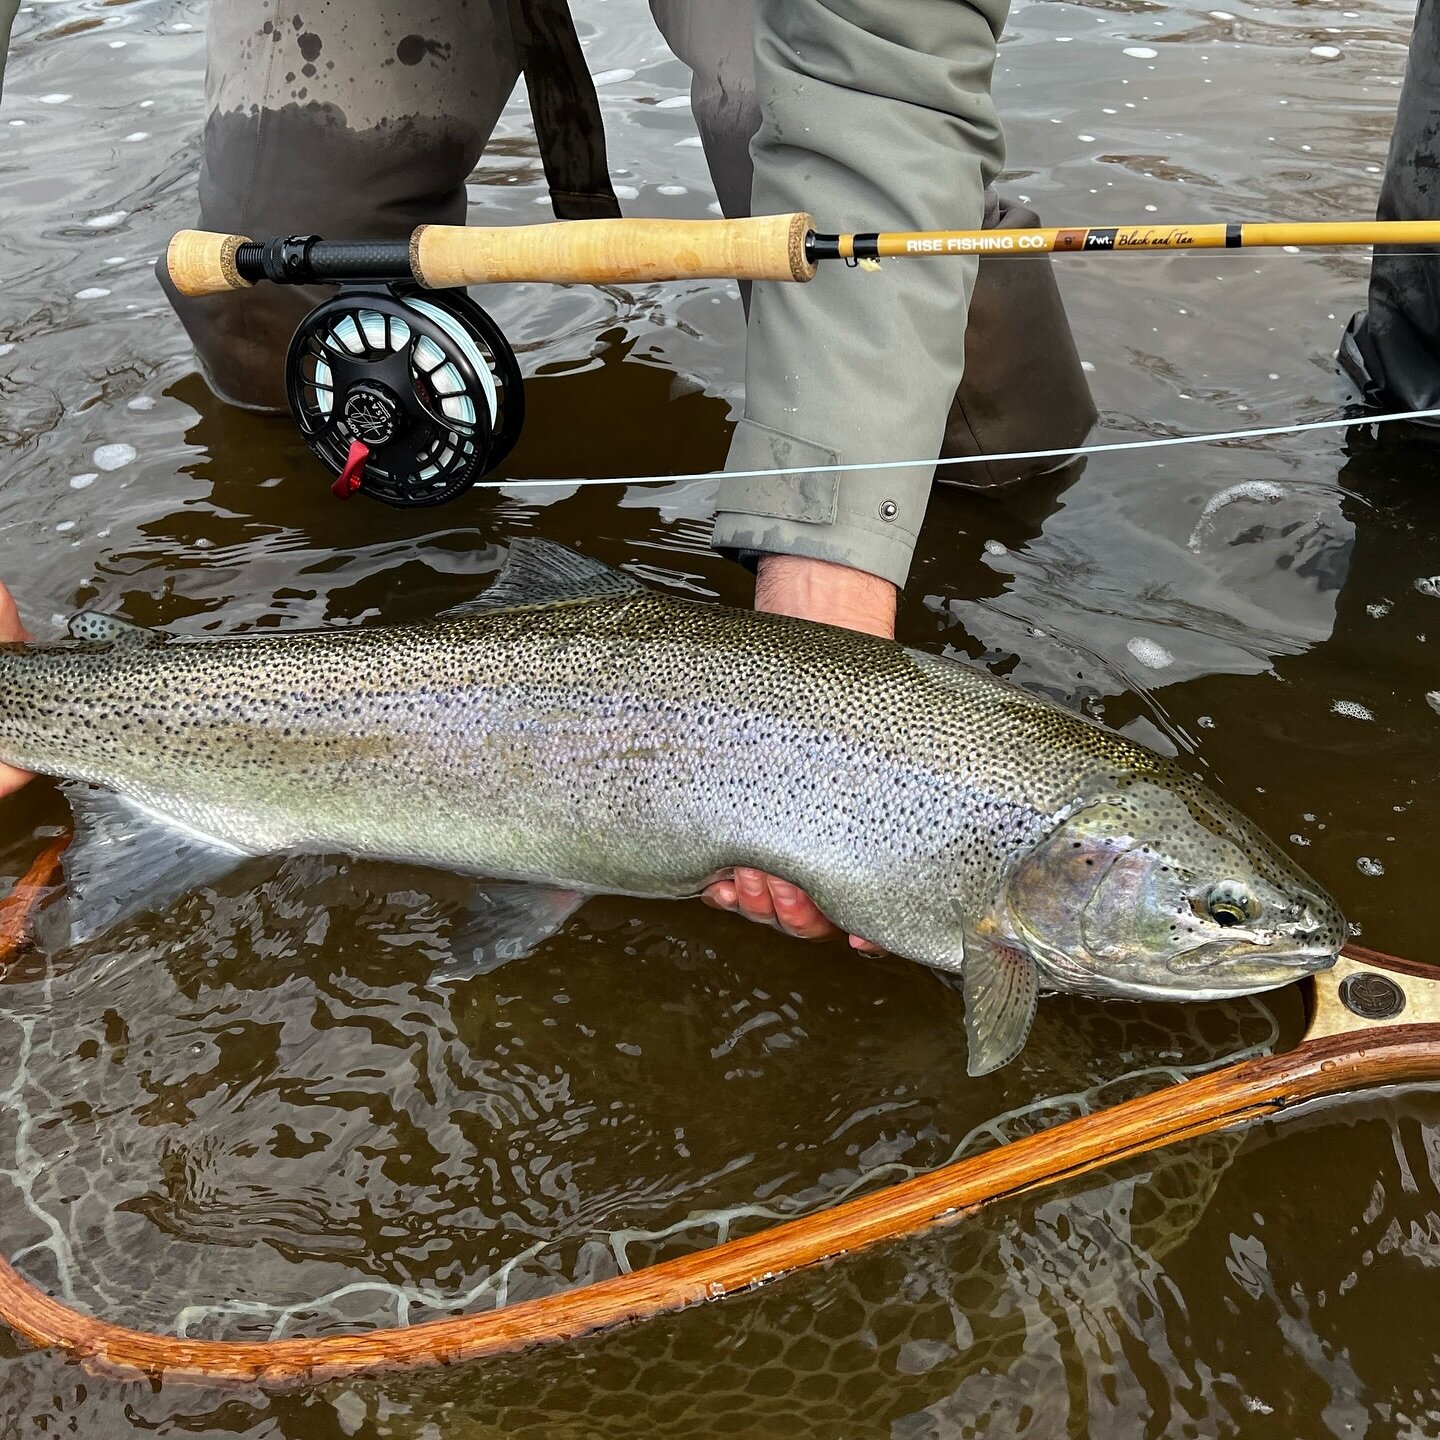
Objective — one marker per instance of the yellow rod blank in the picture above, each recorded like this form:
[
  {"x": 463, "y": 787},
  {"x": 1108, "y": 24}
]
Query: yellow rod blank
[{"x": 1093, "y": 238}]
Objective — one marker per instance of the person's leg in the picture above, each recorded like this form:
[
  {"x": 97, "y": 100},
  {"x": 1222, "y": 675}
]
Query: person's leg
[
  {"x": 716, "y": 40},
  {"x": 326, "y": 117},
  {"x": 7, "y": 19},
  {"x": 1023, "y": 387},
  {"x": 1392, "y": 348}
]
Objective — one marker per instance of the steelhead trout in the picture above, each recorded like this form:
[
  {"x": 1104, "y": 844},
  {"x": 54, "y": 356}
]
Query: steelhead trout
[{"x": 572, "y": 728}]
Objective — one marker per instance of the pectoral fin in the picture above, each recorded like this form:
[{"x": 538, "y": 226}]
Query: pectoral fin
[
  {"x": 1001, "y": 985},
  {"x": 123, "y": 861},
  {"x": 506, "y": 922}
]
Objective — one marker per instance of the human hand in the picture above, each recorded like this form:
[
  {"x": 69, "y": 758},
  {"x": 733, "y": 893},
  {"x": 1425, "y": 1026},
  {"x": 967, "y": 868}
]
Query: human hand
[
  {"x": 835, "y": 595},
  {"x": 11, "y": 779}
]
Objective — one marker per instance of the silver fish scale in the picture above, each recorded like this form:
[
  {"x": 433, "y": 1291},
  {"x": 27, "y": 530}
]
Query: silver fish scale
[{"x": 636, "y": 744}]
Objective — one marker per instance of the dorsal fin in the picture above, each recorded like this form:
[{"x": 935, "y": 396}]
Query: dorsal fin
[
  {"x": 93, "y": 628},
  {"x": 540, "y": 572}
]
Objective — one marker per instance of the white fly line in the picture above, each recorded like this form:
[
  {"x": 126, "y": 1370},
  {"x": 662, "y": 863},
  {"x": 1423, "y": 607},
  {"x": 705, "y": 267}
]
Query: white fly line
[{"x": 1064, "y": 452}]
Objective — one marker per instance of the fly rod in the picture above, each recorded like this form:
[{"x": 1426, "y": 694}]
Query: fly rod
[
  {"x": 1373, "y": 1020},
  {"x": 768, "y": 247},
  {"x": 409, "y": 393}
]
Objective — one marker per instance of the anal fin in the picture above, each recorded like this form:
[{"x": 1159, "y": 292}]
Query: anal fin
[{"x": 506, "y": 922}]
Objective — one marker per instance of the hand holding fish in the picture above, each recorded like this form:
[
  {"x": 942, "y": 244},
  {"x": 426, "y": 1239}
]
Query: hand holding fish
[
  {"x": 11, "y": 629},
  {"x": 834, "y": 595}
]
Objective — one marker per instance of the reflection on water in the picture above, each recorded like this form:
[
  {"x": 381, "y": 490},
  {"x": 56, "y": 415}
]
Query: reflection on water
[{"x": 215, "y": 1117}]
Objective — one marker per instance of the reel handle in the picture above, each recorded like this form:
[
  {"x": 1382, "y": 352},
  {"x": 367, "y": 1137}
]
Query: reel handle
[{"x": 573, "y": 252}]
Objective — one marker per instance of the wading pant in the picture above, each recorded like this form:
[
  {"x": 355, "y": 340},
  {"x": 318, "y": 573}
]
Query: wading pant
[
  {"x": 1391, "y": 349},
  {"x": 7, "y": 19},
  {"x": 347, "y": 121}
]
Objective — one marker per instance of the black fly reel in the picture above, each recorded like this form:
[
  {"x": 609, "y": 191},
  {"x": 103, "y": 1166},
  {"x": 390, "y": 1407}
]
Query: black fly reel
[{"x": 424, "y": 380}]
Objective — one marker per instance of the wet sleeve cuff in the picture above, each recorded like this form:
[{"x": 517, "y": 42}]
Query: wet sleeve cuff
[{"x": 866, "y": 521}]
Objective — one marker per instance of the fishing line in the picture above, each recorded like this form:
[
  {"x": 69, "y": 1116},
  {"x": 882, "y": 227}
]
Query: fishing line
[{"x": 1063, "y": 453}]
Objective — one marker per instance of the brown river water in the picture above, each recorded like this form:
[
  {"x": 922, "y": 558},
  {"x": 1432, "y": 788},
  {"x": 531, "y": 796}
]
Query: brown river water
[{"x": 256, "y": 1114}]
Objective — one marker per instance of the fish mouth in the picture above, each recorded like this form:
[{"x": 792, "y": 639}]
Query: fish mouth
[
  {"x": 1238, "y": 968},
  {"x": 1211, "y": 979}
]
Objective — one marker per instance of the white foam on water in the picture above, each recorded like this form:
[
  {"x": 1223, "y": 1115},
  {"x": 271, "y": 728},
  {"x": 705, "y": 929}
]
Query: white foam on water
[
  {"x": 83, "y": 482},
  {"x": 673, "y": 102},
  {"x": 1263, "y": 492},
  {"x": 1221, "y": 15},
  {"x": 113, "y": 457},
  {"x": 1366, "y": 865},
  {"x": 1353, "y": 708},
  {"x": 613, "y": 77},
  {"x": 65, "y": 525},
  {"x": 92, "y": 292},
  {"x": 136, "y": 136},
  {"x": 1141, "y": 52},
  {"x": 1432, "y": 698},
  {"x": 1149, "y": 652},
  {"x": 672, "y": 189},
  {"x": 1428, "y": 585},
  {"x": 1086, "y": 138},
  {"x": 1325, "y": 52},
  {"x": 690, "y": 142},
  {"x": 994, "y": 547},
  {"x": 107, "y": 221},
  {"x": 141, "y": 402},
  {"x": 57, "y": 98},
  {"x": 6, "y": 348},
  {"x": 626, "y": 192}
]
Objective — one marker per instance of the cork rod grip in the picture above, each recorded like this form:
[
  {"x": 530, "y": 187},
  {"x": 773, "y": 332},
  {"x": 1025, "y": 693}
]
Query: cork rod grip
[
  {"x": 201, "y": 262},
  {"x": 600, "y": 252}
]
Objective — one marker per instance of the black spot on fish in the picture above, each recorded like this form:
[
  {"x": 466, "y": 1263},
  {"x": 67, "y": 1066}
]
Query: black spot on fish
[
  {"x": 310, "y": 46},
  {"x": 414, "y": 48},
  {"x": 308, "y": 71}
]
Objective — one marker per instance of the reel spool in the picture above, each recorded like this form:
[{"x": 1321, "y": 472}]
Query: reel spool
[{"x": 407, "y": 395}]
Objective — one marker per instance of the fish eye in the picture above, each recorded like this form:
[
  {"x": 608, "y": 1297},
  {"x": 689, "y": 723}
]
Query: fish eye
[{"x": 1228, "y": 902}]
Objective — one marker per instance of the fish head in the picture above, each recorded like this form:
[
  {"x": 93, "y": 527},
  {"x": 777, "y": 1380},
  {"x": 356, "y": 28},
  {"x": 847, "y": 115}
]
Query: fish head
[{"x": 1157, "y": 889}]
